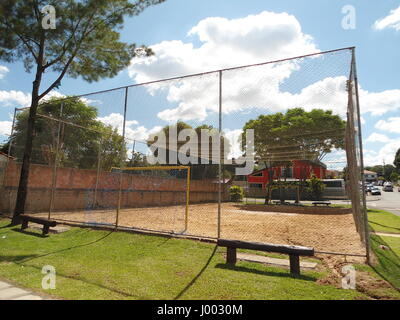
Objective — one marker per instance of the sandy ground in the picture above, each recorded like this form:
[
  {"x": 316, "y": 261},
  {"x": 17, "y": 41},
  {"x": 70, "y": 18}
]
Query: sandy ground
[{"x": 331, "y": 233}]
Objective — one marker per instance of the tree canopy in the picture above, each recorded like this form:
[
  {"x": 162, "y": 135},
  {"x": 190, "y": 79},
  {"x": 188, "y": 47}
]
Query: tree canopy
[
  {"x": 382, "y": 171},
  {"x": 396, "y": 161},
  {"x": 199, "y": 170},
  {"x": 296, "y": 134},
  {"x": 82, "y": 41},
  {"x": 82, "y": 138}
]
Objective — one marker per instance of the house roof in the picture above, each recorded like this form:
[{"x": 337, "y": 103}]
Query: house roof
[
  {"x": 316, "y": 162},
  {"x": 369, "y": 172}
]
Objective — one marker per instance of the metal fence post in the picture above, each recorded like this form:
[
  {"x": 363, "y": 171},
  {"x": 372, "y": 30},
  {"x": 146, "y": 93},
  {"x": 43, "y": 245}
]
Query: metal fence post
[
  {"x": 54, "y": 181},
  {"x": 122, "y": 160},
  {"x": 98, "y": 172},
  {"x": 220, "y": 155},
  {"x": 364, "y": 209}
]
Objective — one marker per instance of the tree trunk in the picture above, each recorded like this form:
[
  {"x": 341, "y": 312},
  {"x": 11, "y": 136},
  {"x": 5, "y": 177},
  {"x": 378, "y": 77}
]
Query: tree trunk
[{"x": 23, "y": 180}]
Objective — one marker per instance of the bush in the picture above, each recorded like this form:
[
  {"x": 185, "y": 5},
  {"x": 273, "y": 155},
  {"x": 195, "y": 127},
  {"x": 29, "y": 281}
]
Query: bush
[
  {"x": 315, "y": 187},
  {"x": 236, "y": 193}
]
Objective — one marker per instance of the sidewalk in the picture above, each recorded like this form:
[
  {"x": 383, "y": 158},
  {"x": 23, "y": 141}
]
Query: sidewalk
[{"x": 11, "y": 292}]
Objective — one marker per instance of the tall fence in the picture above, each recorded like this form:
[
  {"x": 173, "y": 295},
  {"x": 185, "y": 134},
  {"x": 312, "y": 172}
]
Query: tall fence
[{"x": 276, "y": 129}]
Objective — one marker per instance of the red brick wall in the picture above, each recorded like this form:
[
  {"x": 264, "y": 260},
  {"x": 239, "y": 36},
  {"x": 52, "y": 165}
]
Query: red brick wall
[{"x": 75, "y": 189}]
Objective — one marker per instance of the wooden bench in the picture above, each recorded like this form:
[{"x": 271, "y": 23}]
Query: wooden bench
[
  {"x": 45, "y": 222},
  {"x": 294, "y": 252},
  {"x": 321, "y": 203}
]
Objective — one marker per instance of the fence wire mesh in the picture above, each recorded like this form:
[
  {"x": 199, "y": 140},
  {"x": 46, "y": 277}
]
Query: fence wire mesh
[{"x": 251, "y": 153}]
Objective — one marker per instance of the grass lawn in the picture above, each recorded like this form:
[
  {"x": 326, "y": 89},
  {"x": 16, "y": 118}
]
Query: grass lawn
[
  {"x": 383, "y": 221},
  {"x": 98, "y": 264},
  {"x": 388, "y": 265}
]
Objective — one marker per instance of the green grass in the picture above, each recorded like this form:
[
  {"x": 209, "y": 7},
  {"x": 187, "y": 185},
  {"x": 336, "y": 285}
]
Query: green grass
[
  {"x": 95, "y": 264},
  {"x": 388, "y": 266},
  {"x": 383, "y": 221},
  {"x": 388, "y": 261}
]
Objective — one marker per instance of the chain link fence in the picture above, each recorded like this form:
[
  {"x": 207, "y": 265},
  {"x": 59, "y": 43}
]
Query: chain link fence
[{"x": 166, "y": 156}]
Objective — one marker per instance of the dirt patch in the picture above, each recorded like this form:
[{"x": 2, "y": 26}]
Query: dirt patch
[{"x": 331, "y": 233}]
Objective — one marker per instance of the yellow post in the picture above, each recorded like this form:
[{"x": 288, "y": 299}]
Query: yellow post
[{"x": 158, "y": 168}]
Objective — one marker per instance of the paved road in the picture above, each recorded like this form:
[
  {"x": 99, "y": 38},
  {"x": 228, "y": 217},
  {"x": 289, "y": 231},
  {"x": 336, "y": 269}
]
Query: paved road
[{"x": 389, "y": 201}]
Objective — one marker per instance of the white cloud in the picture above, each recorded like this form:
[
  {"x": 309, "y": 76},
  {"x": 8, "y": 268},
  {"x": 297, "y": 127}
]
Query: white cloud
[
  {"x": 390, "y": 21},
  {"x": 391, "y": 125},
  {"x": 226, "y": 43},
  {"x": 132, "y": 130},
  {"x": 5, "y": 127},
  {"x": 14, "y": 98},
  {"x": 385, "y": 153},
  {"x": 377, "y": 137},
  {"x": 388, "y": 151},
  {"x": 379, "y": 103},
  {"x": 3, "y": 71},
  {"x": 255, "y": 38}
]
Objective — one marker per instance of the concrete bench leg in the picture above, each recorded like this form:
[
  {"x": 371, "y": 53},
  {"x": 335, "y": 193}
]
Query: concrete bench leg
[
  {"x": 231, "y": 255},
  {"x": 45, "y": 229},
  {"x": 294, "y": 264}
]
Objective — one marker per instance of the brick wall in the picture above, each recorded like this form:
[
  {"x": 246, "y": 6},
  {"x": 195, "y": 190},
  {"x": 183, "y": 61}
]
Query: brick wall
[
  {"x": 298, "y": 209},
  {"x": 76, "y": 190}
]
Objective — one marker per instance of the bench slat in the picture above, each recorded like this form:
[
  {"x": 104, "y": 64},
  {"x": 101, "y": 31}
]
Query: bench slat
[
  {"x": 50, "y": 223},
  {"x": 295, "y": 250}
]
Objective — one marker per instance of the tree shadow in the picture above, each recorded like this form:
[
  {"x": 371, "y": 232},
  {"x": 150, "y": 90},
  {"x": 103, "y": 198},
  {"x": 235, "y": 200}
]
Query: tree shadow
[
  {"x": 192, "y": 282},
  {"x": 16, "y": 259},
  {"x": 70, "y": 248},
  {"x": 264, "y": 273}
]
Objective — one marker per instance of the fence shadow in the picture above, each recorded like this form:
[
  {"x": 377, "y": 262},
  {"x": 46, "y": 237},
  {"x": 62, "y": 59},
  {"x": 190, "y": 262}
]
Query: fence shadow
[
  {"x": 384, "y": 257},
  {"x": 382, "y": 225},
  {"x": 192, "y": 282}
]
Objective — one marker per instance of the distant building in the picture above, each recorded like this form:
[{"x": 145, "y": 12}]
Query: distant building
[
  {"x": 370, "y": 176},
  {"x": 300, "y": 169},
  {"x": 332, "y": 174}
]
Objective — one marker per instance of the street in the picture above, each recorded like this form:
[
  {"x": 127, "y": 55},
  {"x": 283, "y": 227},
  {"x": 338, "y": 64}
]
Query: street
[{"x": 389, "y": 201}]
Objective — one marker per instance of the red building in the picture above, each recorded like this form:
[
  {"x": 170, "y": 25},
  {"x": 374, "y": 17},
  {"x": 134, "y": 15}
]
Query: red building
[{"x": 300, "y": 169}]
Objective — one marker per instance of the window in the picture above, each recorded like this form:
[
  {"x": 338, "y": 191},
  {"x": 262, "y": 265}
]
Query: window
[
  {"x": 333, "y": 184},
  {"x": 287, "y": 172},
  {"x": 256, "y": 185}
]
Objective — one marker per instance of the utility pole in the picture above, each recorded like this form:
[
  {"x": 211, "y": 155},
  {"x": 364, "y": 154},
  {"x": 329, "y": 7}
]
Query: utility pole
[{"x": 383, "y": 168}]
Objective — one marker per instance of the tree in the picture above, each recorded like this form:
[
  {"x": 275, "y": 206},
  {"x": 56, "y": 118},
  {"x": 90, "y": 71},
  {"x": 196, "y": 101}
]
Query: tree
[
  {"x": 297, "y": 134},
  {"x": 199, "y": 170},
  {"x": 85, "y": 42},
  {"x": 394, "y": 177},
  {"x": 396, "y": 161},
  {"x": 76, "y": 146},
  {"x": 382, "y": 171}
]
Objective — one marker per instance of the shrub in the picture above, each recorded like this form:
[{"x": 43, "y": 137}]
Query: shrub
[
  {"x": 315, "y": 187},
  {"x": 236, "y": 193}
]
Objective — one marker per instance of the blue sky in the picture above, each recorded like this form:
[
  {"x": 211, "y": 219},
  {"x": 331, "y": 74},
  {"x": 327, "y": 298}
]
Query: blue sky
[{"x": 167, "y": 26}]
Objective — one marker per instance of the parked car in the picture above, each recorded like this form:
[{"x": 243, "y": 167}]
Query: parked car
[
  {"x": 388, "y": 188},
  {"x": 375, "y": 191}
]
